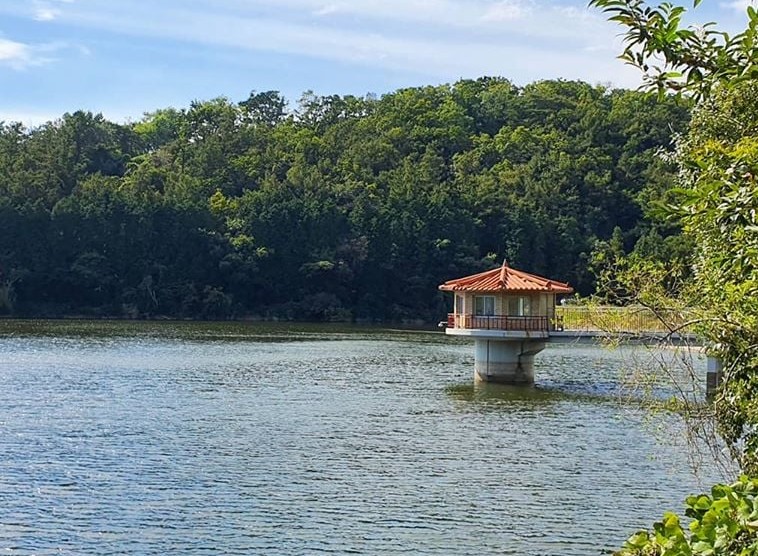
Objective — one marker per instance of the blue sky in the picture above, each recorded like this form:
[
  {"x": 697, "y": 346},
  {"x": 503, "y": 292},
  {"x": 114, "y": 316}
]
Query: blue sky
[{"x": 127, "y": 57}]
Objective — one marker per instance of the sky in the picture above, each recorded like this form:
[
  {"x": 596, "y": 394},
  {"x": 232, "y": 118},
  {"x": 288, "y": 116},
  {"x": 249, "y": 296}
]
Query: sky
[{"x": 125, "y": 58}]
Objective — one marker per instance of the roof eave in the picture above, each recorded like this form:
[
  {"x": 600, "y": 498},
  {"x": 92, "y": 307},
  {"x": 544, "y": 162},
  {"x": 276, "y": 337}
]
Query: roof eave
[{"x": 556, "y": 291}]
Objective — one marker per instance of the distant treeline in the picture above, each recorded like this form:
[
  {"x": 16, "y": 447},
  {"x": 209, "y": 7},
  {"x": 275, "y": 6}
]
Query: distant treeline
[{"x": 339, "y": 208}]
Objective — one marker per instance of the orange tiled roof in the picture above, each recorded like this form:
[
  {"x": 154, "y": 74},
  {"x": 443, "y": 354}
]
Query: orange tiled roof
[{"x": 505, "y": 279}]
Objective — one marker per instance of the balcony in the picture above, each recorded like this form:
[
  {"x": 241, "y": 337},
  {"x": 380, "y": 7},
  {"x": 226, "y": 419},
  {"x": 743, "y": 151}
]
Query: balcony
[{"x": 498, "y": 322}]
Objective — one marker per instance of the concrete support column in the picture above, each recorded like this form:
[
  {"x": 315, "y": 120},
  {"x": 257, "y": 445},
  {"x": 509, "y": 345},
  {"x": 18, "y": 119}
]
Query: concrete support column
[
  {"x": 506, "y": 361},
  {"x": 712, "y": 375}
]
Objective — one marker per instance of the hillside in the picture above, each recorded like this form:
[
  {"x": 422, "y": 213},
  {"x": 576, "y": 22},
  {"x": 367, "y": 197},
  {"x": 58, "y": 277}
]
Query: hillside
[{"x": 337, "y": 208}]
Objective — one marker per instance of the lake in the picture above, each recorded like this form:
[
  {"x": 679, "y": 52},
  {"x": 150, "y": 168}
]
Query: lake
[{"x": 241, "y": 438}]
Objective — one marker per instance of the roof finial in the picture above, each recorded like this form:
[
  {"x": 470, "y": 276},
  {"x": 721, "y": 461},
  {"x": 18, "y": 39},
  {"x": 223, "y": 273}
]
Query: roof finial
[{"x": 504, "y": 272}]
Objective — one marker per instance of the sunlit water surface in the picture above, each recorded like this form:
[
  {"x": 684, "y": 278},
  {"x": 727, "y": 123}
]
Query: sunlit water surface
[{"x": 179, "y": 438}]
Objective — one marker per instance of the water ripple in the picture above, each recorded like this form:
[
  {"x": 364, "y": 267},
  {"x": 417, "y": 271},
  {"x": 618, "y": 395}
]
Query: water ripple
[{"x": 235, "y": 439}]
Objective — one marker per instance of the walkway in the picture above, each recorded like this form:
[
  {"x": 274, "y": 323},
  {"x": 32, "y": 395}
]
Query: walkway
[{"x": 624, "y": 323}]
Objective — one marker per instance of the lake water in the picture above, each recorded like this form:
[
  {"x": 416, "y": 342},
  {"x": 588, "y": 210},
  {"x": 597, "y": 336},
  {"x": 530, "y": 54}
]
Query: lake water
[{"x": 186, "y": 438}]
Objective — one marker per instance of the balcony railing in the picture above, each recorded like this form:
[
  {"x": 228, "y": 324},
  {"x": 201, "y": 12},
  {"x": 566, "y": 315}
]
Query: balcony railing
[{"x": 497, "y": 322}]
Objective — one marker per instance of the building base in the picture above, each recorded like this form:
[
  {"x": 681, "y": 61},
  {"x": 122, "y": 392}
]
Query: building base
[{"x": 505, "y": 361}]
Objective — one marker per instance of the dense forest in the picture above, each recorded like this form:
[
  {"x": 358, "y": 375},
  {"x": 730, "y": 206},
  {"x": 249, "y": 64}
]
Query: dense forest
[{"x": 337, "y": 208}]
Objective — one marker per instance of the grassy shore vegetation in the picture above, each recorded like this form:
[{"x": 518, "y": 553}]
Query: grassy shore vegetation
[
  {"x": 334, "y": 208},
  {"x": 716, "y": 205}
]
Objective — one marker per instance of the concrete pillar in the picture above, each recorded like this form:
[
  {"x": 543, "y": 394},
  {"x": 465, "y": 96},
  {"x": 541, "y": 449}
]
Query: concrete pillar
[
  {"x": 712, "y": 375},
  {"x": 506, "y": 361}
]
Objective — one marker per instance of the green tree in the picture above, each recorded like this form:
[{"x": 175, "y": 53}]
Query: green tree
[
  {"x": 717, "y": 199},
  {"x": 691, "y": 60}
]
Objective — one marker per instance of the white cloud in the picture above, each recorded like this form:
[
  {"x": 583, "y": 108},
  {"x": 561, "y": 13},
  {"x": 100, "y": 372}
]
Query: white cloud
[
  {"x": 39, "y": 10},
  {"x": 29, "y": 118},
  {"x": 739, "y": 6},
  {"x": 519, "y": 48},
  {"x": 506, "y": 10},
  {"x": 327, "y": 9},
  {"x": 15, "y": 54},
  {"x": 439, "y": 39},
  {"x": 45, "y": 14},
  {"x": 20, "y": 56},
  {"x": 44, "y": 11},
  {"x": 459, "y": 14}
]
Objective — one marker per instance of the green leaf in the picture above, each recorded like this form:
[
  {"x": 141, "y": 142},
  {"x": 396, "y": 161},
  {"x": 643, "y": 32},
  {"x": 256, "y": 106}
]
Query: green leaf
[{"x": 702, "y": 547}]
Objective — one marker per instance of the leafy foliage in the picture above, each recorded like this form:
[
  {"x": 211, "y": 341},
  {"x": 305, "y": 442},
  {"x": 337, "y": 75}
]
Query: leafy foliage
[
  {"x": 717, "y": 199},
  {"x": 724, "y": 523},
  {"x": 716, "y": 205},
  {"x": 693, "y": 59}
]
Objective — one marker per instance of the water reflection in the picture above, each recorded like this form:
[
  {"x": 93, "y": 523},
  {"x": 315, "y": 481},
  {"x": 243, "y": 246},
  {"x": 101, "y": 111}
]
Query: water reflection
[
  {"x": 546, "y": 392},
  {"x": 497, "y": 394},
  {"x": 208, "y": 331}
]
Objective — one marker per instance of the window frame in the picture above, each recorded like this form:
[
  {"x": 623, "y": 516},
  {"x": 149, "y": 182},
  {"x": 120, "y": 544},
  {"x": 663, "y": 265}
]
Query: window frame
[
  {"x": 484, "y": 310},
  {"x": 522, "y": 305}
]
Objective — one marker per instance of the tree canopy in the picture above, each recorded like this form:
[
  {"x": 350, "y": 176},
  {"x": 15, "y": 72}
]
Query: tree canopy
[{"x": 339, "y": 207}]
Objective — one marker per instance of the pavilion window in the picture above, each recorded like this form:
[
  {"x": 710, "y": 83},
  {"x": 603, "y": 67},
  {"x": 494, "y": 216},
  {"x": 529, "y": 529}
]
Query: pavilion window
[
  {"x": 459, "y": 305},
  {"x": 484, "y": 305},
  {"x": 520, "y": 306}
]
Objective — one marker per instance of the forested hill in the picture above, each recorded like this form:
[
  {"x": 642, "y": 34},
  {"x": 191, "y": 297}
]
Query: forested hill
[{"x": 339, "y": 208}]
